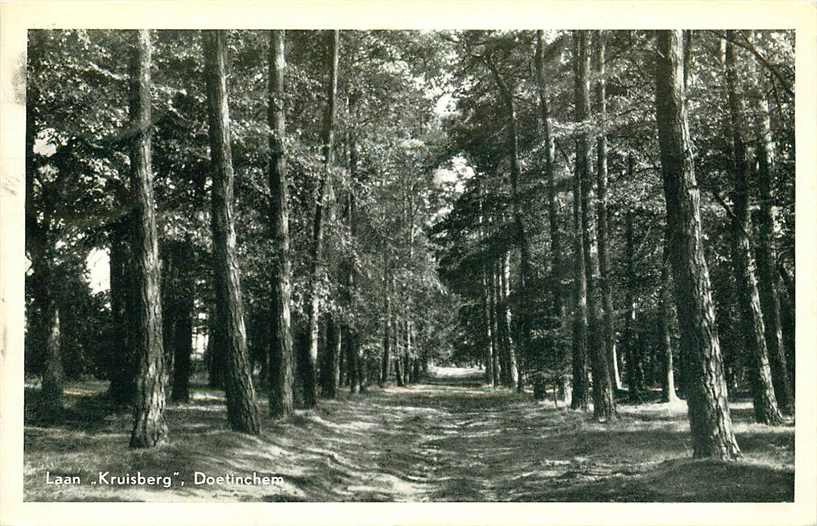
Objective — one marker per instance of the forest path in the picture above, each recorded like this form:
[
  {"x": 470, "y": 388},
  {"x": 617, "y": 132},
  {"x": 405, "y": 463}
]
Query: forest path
[{"x": 449, "y": 438}]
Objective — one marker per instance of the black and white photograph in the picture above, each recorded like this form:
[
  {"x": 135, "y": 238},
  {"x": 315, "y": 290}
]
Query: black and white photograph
[{"x": 332, "y": 265}]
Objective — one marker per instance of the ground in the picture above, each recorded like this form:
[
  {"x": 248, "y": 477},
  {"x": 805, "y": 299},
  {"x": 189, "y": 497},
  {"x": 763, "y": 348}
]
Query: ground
[{"x": 447, "y": 439}]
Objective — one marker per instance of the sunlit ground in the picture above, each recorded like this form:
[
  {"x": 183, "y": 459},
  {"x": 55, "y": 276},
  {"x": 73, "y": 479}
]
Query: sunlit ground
[{"x": 448, "y": 439}]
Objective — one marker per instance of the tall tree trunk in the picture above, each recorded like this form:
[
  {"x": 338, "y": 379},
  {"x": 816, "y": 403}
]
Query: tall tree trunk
[
  {"x": 553, "y": 349},
  {"x": 398, "y": 370},
  {"x": 488, "y": 353},
  {"x": 215, "y": 350},
  {"x": 387, "y": 320},
  {"x": 710, "y": 421},
  {"x": 343, "y": 366},
  {"x": 299, "y": 341},
  {"x": 281, "y": 377},
  {"x": 605, "y": 285},
  {"x": 494, "y": 334},
  {"x": 386, "y": 356},
  {"x": 788, "y": 316},
  {"x": 580, "y": 315},
  {"x": 149, "y": 426},
  {"x": 170, "y": 279},
  {"x": 603, "y": 401},
  {"x": 765, "y": 402},
  {"x": 338, "y": 347},
  {"x": 665, "y": 333},
  {"x": 489, "y": 336},
  {"x": 330, "y": 360},
  {"x": 507, "y": 93},
  {"x": 355, "y": 380},
  {"x": 44, "y": 318},
  {"x": 501, "y": 326},
  {"x": 308, "y": 361},
  {"x": 350, "y": 213},
  {"x": 258, "y": 342},
  {"x": 183, "y": 330},
  {"x": 53, "y": 374},
  {"x": 766, "y": 261},
  {"x": 514, "y": 374},
  {"x": 242, "y": 412},
  {"x": 183, "y": 347},
  {"x": 407, "y": 351},
  {"x": 360, "y": 361},
  {"x": 122, "y": 388},
  {"x": 635, "y": 367}
]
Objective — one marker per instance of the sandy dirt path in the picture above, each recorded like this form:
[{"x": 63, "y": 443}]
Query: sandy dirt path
[{"x": 447, "y": 439}]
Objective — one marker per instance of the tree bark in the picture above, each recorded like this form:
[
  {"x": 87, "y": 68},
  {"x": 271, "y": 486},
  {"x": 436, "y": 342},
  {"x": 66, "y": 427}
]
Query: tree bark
[
  {"x": 350, "y": 217},
  {"x": 398, "y": 369},
  {"x": 242, "y": 412},
  {"x": 635, "y": 367},
  {"x": 581, "y": 314},
  {"x": 308, "y": 361},
  {"x": 788, "y": 316},
  {"x": 149, "y": 426},
  {"x": 501, "y": 327},
  {"x": 765, "y": 402},
  {"x": 183, "y": 329},
  {"x": 665, "y": 333},
  {"x": 215, "y": 350},
  {"x": 767, "y": 258},
  {"x": 487, "y": 317},
  {"x": 608, "y": 313},
  {"x": 603, "y": 401},
  {"x": 122, "y": 388},
  {"x": 387, "y": 319},
  {"x": 407, "y": 352},
  {"x": 54, "y": 374},
  {"x": 507, "y": 94},
  {"x": 281, "y": 377},
  {"x": 488, "y": 354},
  {"x": 709, "y": 417},
  {"x": 44, "y": 317},
  {"x": 514, "y": 379},
  {"x": 170, "y": 279},
  {"x": 328, "y": 373},
  {"x": 555, "y": 313},
  {"x": 353, "y": 359}
]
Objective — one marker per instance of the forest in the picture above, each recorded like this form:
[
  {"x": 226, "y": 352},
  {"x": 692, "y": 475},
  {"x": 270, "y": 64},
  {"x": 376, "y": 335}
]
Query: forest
[{"x": 506, "y": 265}]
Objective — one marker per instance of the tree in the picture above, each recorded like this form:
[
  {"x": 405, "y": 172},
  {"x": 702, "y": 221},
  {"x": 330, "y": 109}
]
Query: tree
[
  {"x": 309, "y": 354},
  {"x": 556, "y": 270},
  {"x": 149, "y": 426},
  {"x": 765, "y": 402},
  {"x": 182, "y": 330},
  {"x": 635, "y": 371},
  {"x": 709, "y": 417},
  {"x": 603, "y": 401},
  {"x": 44, "y": 316},
  {"x": 242, "y": 412},
  {"x": 387, "y": 324},
  {"x": 767, "y": 256},
  {"x": 122, "y": 372},
  {"x": 665, "y": 333},
  {"x": 506, "y": 91},
  {"x": 582, "y": 331},
  {"x": 605, "y": 285},
  {"x": 281, "y": 373}
]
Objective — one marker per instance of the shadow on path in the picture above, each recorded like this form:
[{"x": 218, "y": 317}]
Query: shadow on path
[{"x": 449, "y": 438}]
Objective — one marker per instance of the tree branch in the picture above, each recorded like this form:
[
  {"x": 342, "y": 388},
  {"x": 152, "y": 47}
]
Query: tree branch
[{"x": 762, "y": 60}]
